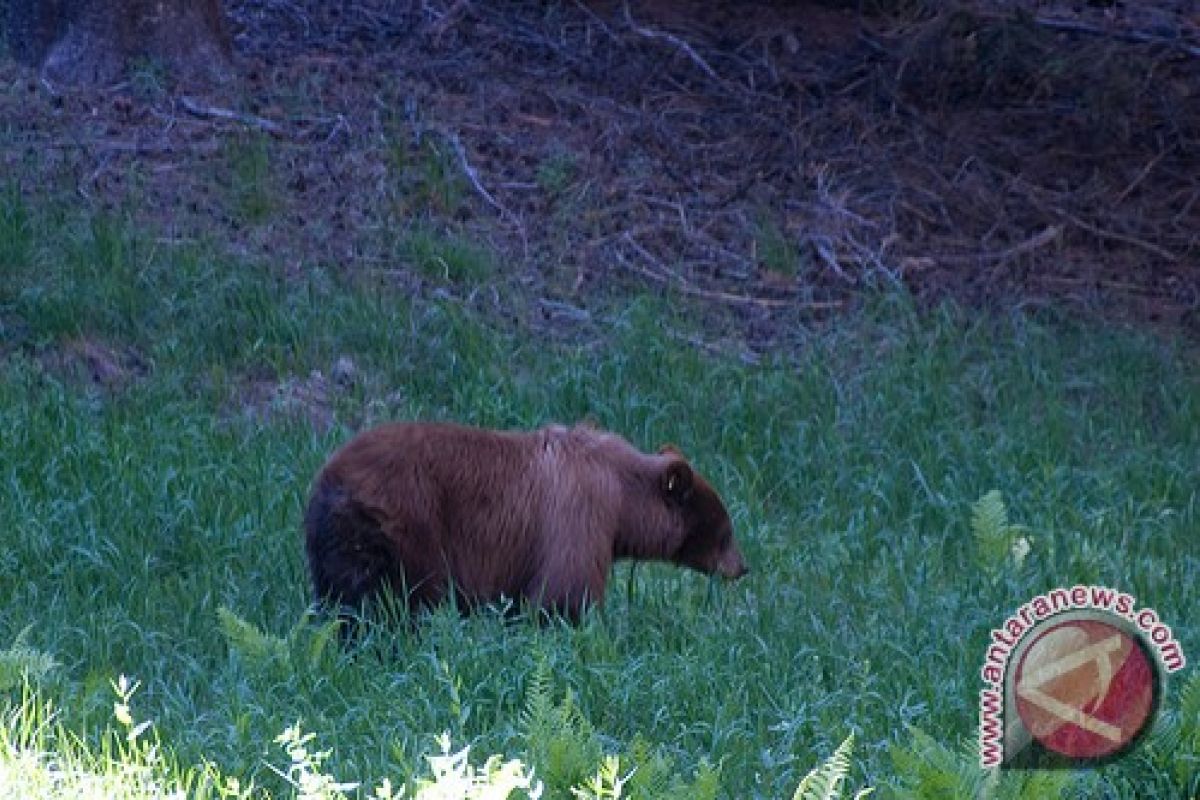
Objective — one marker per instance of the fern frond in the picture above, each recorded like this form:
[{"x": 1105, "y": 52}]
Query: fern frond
[
  {"x": 245, "y": 639},
  {"x": 651, "y": 771},
  {"x": 559, "y": 739},
  {"x": 21, "y": 663},
  {"x": 706, "y": 785},
  {"x": 926, "y": 768},
  {"x": 538, "y": 712},
  {"x": 1189, "y": 702},
  {"x": 824, "y": 782},
  {"x": 995, "y": 537},
  {"x": 1186, "y": 730},
  {"x": 989, "y": 517}
]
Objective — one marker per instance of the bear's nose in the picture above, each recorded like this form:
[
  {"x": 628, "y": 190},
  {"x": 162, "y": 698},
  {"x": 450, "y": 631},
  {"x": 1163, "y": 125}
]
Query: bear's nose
[{"x": 732, "y": 565}]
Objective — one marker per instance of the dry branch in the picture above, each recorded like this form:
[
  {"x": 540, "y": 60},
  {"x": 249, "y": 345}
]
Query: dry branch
[
  {"x": 1141, "y": 37},
  {"x": 1036, "y": 242},
  {"x": 663, "y": 275},
  {"x": 1142, "y": 244},
  {"x": 673, "y": 39},
  {"x": 216, "y": 112},
  {"x": 471, "y": 174}
]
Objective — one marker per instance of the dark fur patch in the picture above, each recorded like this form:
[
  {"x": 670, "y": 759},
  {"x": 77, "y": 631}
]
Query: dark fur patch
[{"x": 348, "y": 555}]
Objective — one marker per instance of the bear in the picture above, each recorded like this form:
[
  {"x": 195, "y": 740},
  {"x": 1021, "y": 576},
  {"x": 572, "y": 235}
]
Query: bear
[{"x": 434, "y": 510}]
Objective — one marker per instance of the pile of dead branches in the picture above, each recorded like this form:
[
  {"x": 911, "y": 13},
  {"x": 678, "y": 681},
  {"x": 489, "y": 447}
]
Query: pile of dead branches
[
  {"x": 773, "y": 160},
  {"x": 784, "y": 156}
]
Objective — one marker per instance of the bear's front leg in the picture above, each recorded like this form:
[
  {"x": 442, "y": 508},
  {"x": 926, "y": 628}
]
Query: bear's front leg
[{"x": 568, "y": 595}]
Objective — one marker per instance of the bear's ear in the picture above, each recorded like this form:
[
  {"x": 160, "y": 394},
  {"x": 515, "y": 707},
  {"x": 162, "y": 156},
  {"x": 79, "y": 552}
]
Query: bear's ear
[
  {"x": 669, "y": 449},
  {"x": 676, "y": 481}
]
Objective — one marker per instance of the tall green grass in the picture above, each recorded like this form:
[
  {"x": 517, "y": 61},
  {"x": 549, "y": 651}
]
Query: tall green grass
[{"x": 134, "y": 511}]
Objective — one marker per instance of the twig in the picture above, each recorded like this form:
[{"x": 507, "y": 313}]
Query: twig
[
  {"x": 675, "y": 40},
  {"x": 1035, "y": 242},
  {"x": 1141, "y": 176},
  {"x": 747, "y": 357},
  {"x": 561, "y": 310},
  {"x": 1126, "y": 35},
  {"x": 447, "y": 19},
  {"x": 688, "y": 288},
  {"x": 1119, "y": 237},
  {"x": 215, "y": 112},
  {"x": 597, "y": 19},
  {"x": 1032, "y": 192},
  {"x": 339, "y": 124},
  {"x": 664, "y": 275},
  {"x": 824, "y": 249},
  {"x": 472, "y": 175}
]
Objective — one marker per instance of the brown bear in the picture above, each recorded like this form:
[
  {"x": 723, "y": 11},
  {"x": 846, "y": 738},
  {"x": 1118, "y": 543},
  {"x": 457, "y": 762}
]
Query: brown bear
[{"x": 426, "y": 509}]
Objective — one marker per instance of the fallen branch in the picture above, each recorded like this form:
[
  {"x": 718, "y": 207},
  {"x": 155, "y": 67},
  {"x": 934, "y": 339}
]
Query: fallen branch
[
  {"x": 1070, "y": 26},
  {"x": 1035, "y": 242},
  {"x": 1118, "y": 237},
  {"x": 1141, "y": 176},
  {"x": 553, "y": 308},
  {"x": 1033, "y": 193},
  {"x": 668, "y": 277},
  {"x": 747, "y": 357},
  {"x": 473, "y": 177},
  {"x": 216, "y": 112},
  {"x": 471, "y": 174},
  {"x": 675, "y": 40}
]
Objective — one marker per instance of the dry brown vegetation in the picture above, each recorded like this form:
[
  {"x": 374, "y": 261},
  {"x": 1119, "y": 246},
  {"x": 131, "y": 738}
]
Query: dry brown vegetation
[{"x": 771, "y": 160}]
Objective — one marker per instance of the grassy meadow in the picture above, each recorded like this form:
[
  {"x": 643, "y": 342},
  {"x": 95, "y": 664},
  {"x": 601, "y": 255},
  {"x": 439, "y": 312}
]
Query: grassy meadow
[{"x": 163, "y": 408}]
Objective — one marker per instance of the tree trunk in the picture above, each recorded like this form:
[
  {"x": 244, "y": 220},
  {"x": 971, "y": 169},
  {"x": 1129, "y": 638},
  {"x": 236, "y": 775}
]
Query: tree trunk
[{"x": 82, "y": 41}]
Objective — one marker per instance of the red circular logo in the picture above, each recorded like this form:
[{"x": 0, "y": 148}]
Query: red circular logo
[{"x": 1085, "y": 688}]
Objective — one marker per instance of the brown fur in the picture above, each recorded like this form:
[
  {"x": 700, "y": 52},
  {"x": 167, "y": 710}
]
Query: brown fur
[{"x": 423, "y": 508}]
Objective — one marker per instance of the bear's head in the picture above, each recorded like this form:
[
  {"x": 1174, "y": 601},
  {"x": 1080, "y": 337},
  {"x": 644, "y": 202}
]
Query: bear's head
[{"x": 707, "y": 544}]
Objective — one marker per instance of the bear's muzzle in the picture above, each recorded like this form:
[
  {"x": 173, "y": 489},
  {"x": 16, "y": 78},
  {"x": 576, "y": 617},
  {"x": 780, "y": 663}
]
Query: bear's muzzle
[{"x": 731, "y": 565}]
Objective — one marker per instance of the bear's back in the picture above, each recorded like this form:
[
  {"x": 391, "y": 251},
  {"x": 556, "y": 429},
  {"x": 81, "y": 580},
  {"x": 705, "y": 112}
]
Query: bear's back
[{"x": 492, "y": 512}]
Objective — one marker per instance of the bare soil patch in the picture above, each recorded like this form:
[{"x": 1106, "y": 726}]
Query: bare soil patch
[
  {"x": 771, "y": 161},
  {"x": 96, "y": 363}
]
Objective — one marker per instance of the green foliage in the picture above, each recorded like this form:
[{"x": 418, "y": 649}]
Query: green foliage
[
  {"x": 1184, "y": 736},
  {"x": 455, "y": 779},
  {"x": 42, "y": 759},
  {"x": 21, "y": 664},
  {"x": 15, "y": 232},
  {"x": 651, "y": 774},
  {"x": 926, "y": 768},
  {"x": 997, "y": 542},
  {"x": 136, "y": 511},
  {"x": 307, "y": 647},
  {"x": 562, "y": 744},
  {"x": 567, "y": 754},
  {"x": 606, "y": 784},
  {"x": 776, "y": 251},
  {"x": 824, "y": 782},
  {"x": 249, "y": 642},
  {"x": 148, "y": 78},
  {"x": 253, "y": 195},
  {"x": 555, "y": 173},
  {"x": 1173, "y": 747},
  {"x": 304, "y": 772},
  {"x": 446, "y": 257},
  {"x": 429, "y": 177}
]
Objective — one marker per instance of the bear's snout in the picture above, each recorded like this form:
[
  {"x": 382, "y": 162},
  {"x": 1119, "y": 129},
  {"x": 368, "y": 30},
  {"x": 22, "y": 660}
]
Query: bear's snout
[{"x": 731, "y": 565}]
